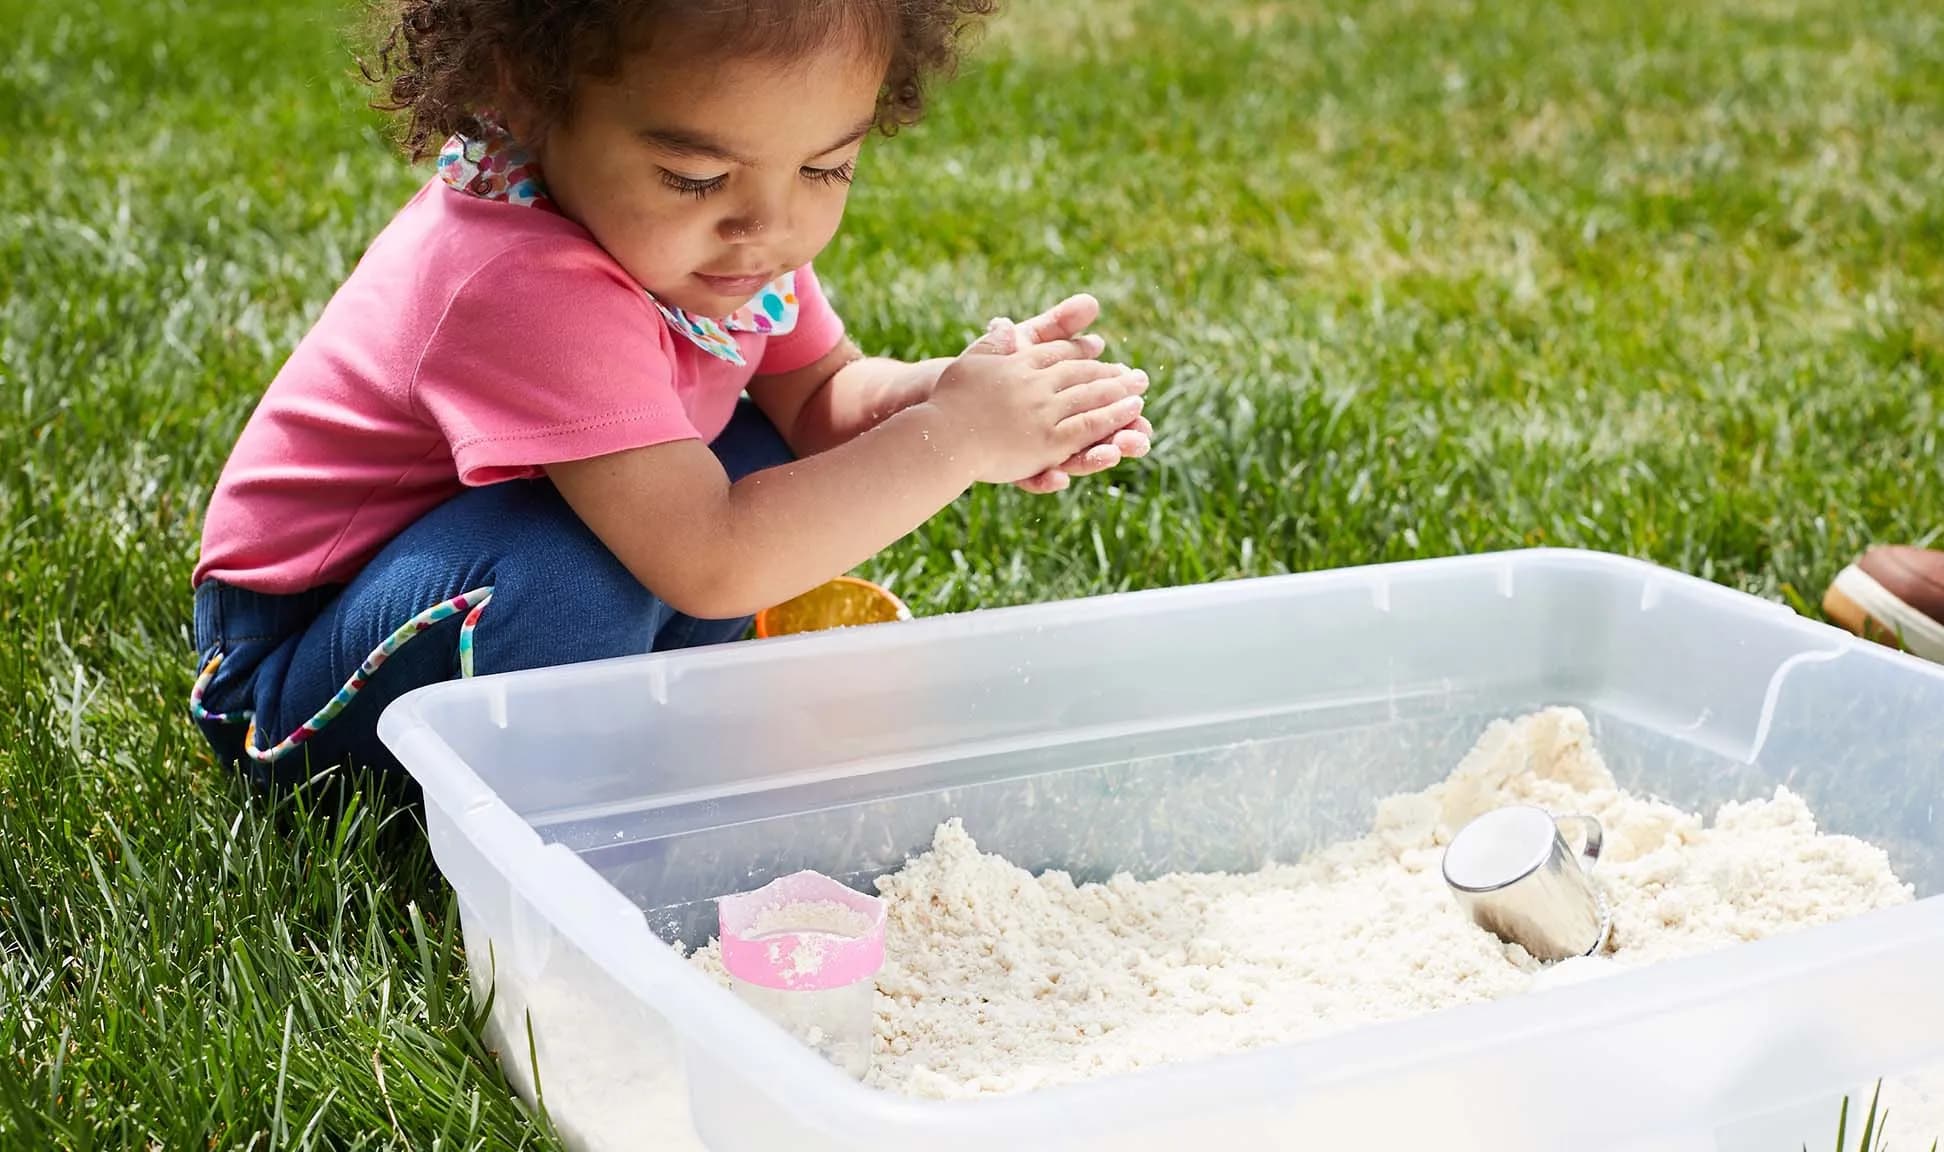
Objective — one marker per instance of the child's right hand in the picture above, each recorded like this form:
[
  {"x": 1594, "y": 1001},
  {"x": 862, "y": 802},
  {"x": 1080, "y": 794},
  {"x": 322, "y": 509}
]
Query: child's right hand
[{"x": 1020, "y": 412}]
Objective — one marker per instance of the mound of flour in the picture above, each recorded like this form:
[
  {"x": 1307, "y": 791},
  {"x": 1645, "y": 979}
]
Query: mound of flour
[{"x": 999, "y": 981}]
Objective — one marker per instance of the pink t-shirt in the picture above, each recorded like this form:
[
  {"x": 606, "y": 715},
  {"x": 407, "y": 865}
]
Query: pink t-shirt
[{"x": 476, "y": 341}]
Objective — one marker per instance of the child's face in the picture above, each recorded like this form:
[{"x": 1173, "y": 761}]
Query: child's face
[{"x": 706, "y": 180}]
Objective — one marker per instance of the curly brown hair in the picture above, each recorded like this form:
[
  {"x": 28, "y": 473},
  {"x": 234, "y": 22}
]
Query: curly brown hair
[{"x": 442, "y": 62}]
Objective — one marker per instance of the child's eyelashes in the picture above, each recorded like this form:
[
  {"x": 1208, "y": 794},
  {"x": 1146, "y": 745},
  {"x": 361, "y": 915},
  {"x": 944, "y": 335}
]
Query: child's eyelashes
[
  {"x": 699, "y": 188},
  {"x": 842, "y": 174},
  {"x": 690, "y": 186}
]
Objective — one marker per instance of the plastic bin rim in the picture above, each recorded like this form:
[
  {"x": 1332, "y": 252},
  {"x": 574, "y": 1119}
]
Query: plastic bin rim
[{"x": 1380, "y": 576}]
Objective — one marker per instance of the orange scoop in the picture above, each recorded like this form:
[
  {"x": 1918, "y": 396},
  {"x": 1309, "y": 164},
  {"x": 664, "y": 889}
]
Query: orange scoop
[{"x": 842, "y": 603}]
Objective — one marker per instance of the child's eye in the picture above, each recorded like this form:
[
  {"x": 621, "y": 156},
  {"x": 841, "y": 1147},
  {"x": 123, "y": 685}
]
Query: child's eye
[
  {"x": 842, "y": 174},
  {"x": 689, "y": 186}
]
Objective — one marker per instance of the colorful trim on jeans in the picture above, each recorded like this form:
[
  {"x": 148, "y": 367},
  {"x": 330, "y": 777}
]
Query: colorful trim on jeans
[{"x": 471, "y": 603}]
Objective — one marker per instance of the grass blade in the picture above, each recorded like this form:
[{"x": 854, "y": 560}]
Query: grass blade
[
  {"x": 283, "y": 1077},
  {"x": 433, "y": 990},
  {"x": 309, "y": 1134}
]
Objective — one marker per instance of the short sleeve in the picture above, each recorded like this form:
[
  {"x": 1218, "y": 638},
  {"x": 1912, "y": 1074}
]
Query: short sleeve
[
  {"x": 817, "y": 331},
  {"x": 548, "y": 353}
]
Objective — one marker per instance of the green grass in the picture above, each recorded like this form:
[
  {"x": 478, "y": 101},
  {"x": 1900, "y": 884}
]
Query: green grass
[
  {"x": 1664, "y": 277},
  {"x": 1876, "y": 1126}
]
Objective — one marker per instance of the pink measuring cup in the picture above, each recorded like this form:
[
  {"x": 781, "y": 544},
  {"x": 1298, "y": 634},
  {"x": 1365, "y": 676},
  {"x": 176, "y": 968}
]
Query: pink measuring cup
[{"x": 823, "y": 949}]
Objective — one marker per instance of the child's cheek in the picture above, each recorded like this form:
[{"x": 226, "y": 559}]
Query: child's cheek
[{"x": 661, "y": 254}]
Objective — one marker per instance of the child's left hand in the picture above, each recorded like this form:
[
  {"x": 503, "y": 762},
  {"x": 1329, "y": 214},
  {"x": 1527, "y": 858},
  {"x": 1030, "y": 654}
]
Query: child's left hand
[{"x": 1064, "y": 321}]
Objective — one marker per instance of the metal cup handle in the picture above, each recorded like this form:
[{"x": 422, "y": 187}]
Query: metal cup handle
[{"x": 1593, "y": 837}]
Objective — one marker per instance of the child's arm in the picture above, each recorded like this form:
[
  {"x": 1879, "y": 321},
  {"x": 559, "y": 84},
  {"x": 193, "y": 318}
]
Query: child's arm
[
  {"x": 716, "y": 550},
  {"x": 842, "y": 396}
]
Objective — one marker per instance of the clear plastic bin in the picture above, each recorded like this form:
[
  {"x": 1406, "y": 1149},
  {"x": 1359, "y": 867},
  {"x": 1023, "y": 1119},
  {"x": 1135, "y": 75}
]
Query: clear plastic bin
[
  {"x": 835, "y": 1022},
  {"x": 587, "y": 816}
]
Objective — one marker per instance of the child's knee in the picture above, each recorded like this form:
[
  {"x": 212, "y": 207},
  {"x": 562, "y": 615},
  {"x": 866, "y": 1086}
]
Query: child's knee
[
  {"x": 541, "y": 546},
  {"x": 568, "y": 604}
]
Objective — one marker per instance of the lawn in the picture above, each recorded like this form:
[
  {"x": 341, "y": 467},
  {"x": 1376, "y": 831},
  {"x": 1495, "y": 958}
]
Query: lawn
[{"x": 1662, "y": 277}]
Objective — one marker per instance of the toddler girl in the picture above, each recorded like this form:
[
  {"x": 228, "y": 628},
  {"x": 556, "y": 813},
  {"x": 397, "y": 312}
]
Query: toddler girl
[{"x": 584, "y": 397}]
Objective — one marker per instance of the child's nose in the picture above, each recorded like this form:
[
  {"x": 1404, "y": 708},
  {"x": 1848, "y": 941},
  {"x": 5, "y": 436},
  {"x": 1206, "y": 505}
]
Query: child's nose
[
  {"x": 758, "y": 217},
  {"x": 742, "y": 229}
]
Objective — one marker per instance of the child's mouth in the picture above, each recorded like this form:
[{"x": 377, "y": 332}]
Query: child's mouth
[{"x": 741, "y": 287}]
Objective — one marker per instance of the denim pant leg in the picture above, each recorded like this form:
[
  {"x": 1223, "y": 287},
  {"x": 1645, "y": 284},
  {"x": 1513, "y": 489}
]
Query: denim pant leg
[
  {"x": 244, "y": 629},
  {"x": 559, "y": 597}
]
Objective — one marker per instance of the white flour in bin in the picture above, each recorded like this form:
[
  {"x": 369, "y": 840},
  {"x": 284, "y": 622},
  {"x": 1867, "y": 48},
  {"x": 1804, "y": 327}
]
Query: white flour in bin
[
  {"x": 826, "y": 916},
  {"x": 997, "y": 981},
  {"x": 812, "y": 922}
]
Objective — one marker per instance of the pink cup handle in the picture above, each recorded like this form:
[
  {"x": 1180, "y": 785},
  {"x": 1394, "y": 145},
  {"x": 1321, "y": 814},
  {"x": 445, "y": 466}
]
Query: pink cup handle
[{"x": 800, "y": 961}]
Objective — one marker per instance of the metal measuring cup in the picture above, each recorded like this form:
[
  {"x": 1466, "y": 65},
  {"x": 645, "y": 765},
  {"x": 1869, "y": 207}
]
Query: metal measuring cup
[{"x": 1511, "y": 869}]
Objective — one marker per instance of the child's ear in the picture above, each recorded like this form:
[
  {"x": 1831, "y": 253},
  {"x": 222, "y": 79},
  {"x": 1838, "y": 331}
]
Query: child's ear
[{"x": 515, "y": 111}]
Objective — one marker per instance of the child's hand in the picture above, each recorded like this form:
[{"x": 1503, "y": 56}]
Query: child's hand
[
  {"x": 1130, "y": 443},
  {"x": 1066, "y": 321},
  {"x": 1025, "y": 411}
]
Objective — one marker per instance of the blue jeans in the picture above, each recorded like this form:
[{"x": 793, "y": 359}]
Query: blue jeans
[{"x": 559, "y": 597}]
